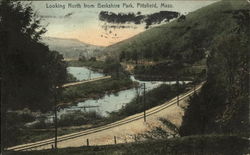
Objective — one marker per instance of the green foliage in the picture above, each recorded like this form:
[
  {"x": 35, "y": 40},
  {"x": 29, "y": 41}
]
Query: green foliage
[
  {"x": 41, "y": 123},
  {"x": 15, "y": 121},
  {"x": 222, "y": 106},
  {"x": 95, "y": 65},
  {"x": 110, "y": 66},
  {"x": 114, "y": 68},
  {"x": 168, "y": 71},
  {"x": 30, "y": 73},
  {"x": 71, "y": 78},
  {"x": 209, "y": 144},
  {"x": 153, "y": 98},
  {"x": 92, "y": 59},
  {"x": 170, "y": 125},
  {"x": 79, "y": 118},
  {"x": 187, "y": 40},
  {"x": 202, "y": 111},
  {"x": 159, "y": 132},
  {"x": 95, "y": 89},
  {"x": 34, "y": 135},
  {"x": 82, "y": 58}
]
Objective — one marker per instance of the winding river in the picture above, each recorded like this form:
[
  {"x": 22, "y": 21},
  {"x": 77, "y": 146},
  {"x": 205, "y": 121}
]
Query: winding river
[{"x": 108, "y": 103}]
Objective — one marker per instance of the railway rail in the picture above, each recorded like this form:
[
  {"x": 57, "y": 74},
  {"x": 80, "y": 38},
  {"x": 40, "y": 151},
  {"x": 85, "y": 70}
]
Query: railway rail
[{"x": 129, "y": 119}]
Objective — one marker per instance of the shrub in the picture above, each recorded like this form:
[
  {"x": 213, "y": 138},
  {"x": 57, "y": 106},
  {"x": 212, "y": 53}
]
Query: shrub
[{"x": 79, "y": 118}]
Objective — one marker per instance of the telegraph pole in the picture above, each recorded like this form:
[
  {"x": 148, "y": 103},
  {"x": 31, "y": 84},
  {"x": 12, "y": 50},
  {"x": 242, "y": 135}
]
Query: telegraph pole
[
  {"x": 55, "y": 127},
  {"x": 4, "y": 89},
  {"x": 144, "y": 103},
  {"x": 194, "y": 82},
  {"x": 56, "y": 119},
  {"x": 137, "y": 93},
  {"x": 89, "y": 75},
  {"x": 177, "y": 82}
]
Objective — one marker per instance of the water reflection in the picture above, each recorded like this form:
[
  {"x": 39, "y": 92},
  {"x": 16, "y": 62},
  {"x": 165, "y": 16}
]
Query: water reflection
[
  {"x": 110, "y": 102},
  {"x": 83, "y": 73}
]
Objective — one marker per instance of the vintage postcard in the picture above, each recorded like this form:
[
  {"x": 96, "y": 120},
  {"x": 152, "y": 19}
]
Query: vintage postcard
[{"x": 125, "y": 77}]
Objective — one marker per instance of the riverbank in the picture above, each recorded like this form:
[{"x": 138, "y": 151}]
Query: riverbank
[
  {"x": 94, "y": 90},
  {"x": 97, "y": 66},
  {"x": 154, "y": 97},
  {"x": 78, "y": 94}
]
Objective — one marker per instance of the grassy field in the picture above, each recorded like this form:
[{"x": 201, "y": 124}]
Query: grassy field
[
  {"x": 202, "y": 26},
  {"x": 188, "y": 41},
  {"x": 205, "y": 145}
]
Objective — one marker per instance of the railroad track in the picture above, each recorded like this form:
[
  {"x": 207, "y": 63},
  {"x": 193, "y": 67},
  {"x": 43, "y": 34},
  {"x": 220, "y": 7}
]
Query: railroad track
[{"x": 129, "y": 119}]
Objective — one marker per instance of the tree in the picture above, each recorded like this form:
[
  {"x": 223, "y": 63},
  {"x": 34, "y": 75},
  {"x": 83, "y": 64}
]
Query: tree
[
  {"x": 122, "y": 56},
  {"x": 30, "y": 73},
  {"x": 222, "y": 105},
  {"x": 82, "y": 58},
  {"x": 223, "y": 102},
  {"x": 28, "y": 65},
  {"x": 92, "y": 59}
]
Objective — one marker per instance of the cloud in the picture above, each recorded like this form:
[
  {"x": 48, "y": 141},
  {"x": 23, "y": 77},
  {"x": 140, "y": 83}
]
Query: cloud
[{"x": 150, "y": 19}]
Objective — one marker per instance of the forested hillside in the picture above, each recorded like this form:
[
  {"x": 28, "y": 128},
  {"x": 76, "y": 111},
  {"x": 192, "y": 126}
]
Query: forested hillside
[
  {"x": 218, "y": 34},
  {"x": 188, "y": 38},
  {"x": 222, "y": 106}
]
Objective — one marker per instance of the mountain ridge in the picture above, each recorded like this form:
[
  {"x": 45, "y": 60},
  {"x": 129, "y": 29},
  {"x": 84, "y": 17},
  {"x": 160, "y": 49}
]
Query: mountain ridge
[
  {"x": 72, "y": 48},
  {"x": 199, "y": 27}
]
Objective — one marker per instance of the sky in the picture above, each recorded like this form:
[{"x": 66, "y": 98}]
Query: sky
[{"x": 74, "y": 20}]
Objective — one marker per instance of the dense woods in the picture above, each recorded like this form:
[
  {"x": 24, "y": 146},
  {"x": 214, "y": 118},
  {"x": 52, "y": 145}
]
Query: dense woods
[
  {"x": 222, "y": 106},
  {"x": 30, "y": 72}
]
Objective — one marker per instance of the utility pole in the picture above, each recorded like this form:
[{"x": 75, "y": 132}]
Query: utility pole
[
  {"x": 137, "y": 94},
  {"x": 177, "y": 82},
  {"x": 89, "y": 75},
  {"x": 194, "y": 82},
  {"x": 56, "y": 119},
  {"x": 4, "y": 88},
  {"x": 144, "y": 103},
  {"x": 3, "y": 116}
]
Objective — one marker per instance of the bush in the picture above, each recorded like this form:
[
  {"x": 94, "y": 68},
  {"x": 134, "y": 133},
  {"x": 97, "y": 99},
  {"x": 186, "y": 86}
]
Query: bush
[
  {"x": 79, "y": 118},
  {"x": 71, "y": 78},
  {"x": 153, "y": 98},
  {"x": 207, "y": 145}
]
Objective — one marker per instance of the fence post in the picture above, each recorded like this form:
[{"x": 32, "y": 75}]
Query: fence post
[
  {"x": 115, "y": 139},
  {"x": 144, "y": 101},
  {"x": 87, "y": 142}
]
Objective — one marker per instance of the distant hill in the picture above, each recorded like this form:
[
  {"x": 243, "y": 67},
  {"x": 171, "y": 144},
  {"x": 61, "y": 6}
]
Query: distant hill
[
  {"x": 196, "y": 32},
  {"x": 72, "y": 48}
]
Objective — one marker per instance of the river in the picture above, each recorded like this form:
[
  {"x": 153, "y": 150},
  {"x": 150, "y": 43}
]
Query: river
[
  {"x": 110, "y": 102},
  {"x": 83, "y": 73}
]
